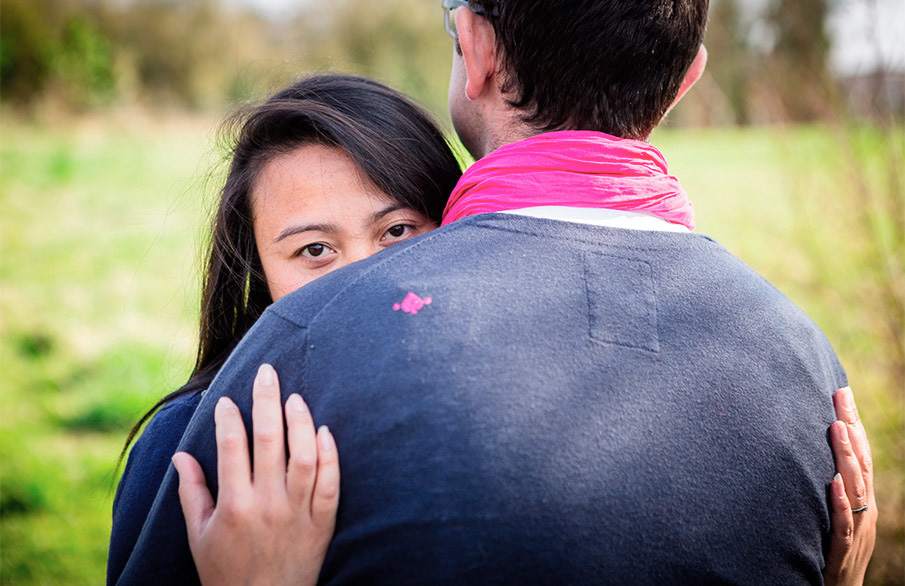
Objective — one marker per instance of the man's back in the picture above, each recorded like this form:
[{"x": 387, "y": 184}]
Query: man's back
[{"x": 519, "y": 400}]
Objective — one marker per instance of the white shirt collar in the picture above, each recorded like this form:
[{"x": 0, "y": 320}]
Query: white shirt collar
[{"x": 600, "y": 217}]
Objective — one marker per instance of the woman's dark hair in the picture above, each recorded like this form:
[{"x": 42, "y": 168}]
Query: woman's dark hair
[
  {"x": 391, "y": 140},
  {"x": 613, "y": 66}
]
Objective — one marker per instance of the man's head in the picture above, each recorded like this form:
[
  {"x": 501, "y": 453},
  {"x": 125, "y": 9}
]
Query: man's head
[{"x": 614, "y": 66}]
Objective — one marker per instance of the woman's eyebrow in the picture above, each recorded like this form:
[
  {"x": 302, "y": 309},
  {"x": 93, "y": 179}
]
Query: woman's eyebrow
[
  {"x": 387, "y": 210},
  {"x": 293, "y": 230}
]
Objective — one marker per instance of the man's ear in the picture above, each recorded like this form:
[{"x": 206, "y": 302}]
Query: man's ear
[
  {"x": 478, "y": 44},
  {"x": 694, "y": 73}
]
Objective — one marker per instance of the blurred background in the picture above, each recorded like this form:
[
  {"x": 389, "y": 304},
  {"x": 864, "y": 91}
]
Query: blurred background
[{"x": 791, "y": 148}]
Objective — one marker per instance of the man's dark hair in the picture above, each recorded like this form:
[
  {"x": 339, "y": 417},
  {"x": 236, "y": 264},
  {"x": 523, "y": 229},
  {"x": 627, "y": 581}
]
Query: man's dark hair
[{"x": 614, "y": 66}]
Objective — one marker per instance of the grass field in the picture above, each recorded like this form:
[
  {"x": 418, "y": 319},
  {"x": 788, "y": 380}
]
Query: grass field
[{"x": 101, "y": 221}]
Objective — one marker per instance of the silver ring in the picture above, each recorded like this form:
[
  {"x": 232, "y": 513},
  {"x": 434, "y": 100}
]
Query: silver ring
[{"x": 860, "y": 509}]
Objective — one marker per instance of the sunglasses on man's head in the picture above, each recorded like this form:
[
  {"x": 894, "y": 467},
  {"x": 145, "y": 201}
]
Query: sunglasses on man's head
[{"x": 449, "y": 14}]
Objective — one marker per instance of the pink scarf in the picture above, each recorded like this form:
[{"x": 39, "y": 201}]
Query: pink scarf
[{"x": 572, "y": 168}]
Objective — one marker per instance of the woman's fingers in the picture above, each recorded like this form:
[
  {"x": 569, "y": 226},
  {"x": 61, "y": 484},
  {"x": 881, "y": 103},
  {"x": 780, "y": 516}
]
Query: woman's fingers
[
  {"x": 325, "y": 499},
  {"x": 853, "y": 506},
  {"x": 233, "y": 467},
  {"x": 312, "y": 478},
  {"x": 847, "y": 412},
  {"x": 196, "y": 500},
  {"x": 254, "y": 534},
  {"x": 302, "y": 468},
  {"x": 843, "y": 527},
  {"x": 847, "y": 465},
  {"x": 267, "y": 432}
]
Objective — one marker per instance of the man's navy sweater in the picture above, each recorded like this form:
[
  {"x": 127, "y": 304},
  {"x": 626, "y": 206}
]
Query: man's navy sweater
[{"x": 554, "y": 403}]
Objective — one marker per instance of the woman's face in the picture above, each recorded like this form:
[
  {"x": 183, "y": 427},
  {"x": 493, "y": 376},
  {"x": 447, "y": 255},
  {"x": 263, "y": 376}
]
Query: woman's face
[{"x": 315, "y": 212}]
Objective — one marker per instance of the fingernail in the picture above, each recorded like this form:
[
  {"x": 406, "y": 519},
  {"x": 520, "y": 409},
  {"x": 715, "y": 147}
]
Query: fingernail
[
  {"x": 848, "y": 400},
  {"x": 224, "y": 403},
  {"x": 295, "y": 402},
  {"x": 175, "y": 461},
  {"x": 837, "y": 485},
  {"x": 265, "y": 374},
  {"x": 843, "y": 434},
  {"x": 323, "y": 438}
]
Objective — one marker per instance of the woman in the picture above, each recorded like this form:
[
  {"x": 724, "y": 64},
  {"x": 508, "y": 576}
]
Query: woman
[
  {"x": 324, "y": 173},
  {"x": 279, "y": 226}
]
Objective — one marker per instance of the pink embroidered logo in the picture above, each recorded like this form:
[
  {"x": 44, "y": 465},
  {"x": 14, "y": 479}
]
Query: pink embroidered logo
[{"x": 412, "y": 303}]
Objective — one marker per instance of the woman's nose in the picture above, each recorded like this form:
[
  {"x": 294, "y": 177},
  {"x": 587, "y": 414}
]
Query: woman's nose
[{"x": 359, "y": 251}]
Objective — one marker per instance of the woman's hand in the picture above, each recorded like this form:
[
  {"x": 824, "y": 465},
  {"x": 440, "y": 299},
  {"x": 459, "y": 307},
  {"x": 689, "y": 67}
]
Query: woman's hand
[
  {"x": 273, "y": 525},
  {"x": 854, "y": 532}
]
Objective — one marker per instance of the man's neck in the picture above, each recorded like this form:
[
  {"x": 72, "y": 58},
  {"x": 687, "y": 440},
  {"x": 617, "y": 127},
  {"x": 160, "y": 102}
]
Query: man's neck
[
  {"x": 514, "y": 133},
  {"x": 503, "y": 125},
  {"x": 495, "y": 140}
]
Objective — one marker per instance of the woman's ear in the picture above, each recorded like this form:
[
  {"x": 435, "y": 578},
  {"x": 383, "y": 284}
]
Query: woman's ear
[
  {"x": 694, "y": 73},
  {"x": 478, "y": 45}
]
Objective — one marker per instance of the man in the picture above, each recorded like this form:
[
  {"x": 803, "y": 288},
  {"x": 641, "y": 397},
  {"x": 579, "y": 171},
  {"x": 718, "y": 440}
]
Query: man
[{"x": 573, "y": 391}]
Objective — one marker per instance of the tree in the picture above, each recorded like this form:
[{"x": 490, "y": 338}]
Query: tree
[
  {"x": 800, "y": 53},
  {"x": 731, "y": 56}
]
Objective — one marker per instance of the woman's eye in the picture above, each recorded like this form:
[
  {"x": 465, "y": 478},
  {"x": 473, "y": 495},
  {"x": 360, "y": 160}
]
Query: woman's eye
[
  {"x": 399, "y": 230},
  {"x": 314, "y": 250}
]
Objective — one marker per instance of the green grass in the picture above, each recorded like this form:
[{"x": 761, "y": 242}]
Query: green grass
[{"x": 100, "y": 227}]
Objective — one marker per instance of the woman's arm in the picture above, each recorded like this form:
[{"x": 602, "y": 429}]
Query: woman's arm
[
  {"x": 144, "y": 472},
  {"x": 854, "y": 508},
  {"x": 271, "y": 525}
]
